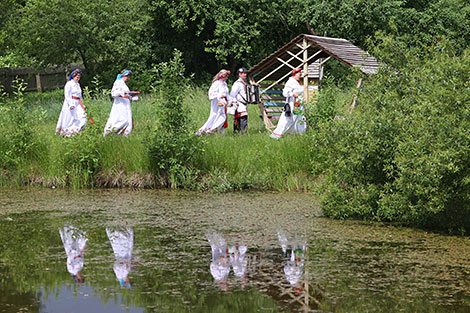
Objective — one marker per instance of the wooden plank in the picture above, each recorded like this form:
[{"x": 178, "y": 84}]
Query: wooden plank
[
  {"x": 294, "y": 55},
  {"x": 272, "y": 110},
  {"x": 276, "y": 69},
  {"x": 285, "y": 63},
  {"x": 283, "y": 77},
  {"x": 279, "y": 86}
]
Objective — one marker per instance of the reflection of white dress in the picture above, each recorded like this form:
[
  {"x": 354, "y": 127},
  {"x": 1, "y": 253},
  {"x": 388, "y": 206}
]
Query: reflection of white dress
[
  {"x": 294, "y": 267},
  {"x": 122, "y": 242},
  {"x": 74, "y": 241},
  {"x": 218, "y": 92},
  {"x": 120, "y": 118},
  {"x": 220, "y": 267},
  {"x": 293, "y": 124},
  {"x": 238, "y": 261},
  {"x": 71, "y": 121}
]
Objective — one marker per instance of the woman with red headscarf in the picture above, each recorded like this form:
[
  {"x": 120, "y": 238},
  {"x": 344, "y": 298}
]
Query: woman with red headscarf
[
  {"x": 218, "y": 95},
  {"x": 292, "y": 121}
]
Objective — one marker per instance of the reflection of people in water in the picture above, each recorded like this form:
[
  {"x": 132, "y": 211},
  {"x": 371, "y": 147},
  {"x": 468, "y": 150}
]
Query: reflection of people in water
[
  {"x": 75, "y": 242},
  {"x": 122, "y": 242},
  {"x": 220, "y": 266},
  {"x": 224, "y": 256},
  {"x": 238, "y": 261},
  {"x": 294, "y": 250}
]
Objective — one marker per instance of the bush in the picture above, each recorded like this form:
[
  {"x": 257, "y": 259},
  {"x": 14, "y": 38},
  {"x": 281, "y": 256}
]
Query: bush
[
  {"x": 18, "y": 141},
  {"x": 404, "y": 154},
  {"x": 172, "y": 146}
]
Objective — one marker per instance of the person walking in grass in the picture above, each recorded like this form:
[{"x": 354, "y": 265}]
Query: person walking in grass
[
  {"x": 292, "y": 120},
  {"x": 72, "y": 118},
  {"x": 239, "y": 99},
  {"x": 120, "y": 118},
  {"x": 219, "y": 97}
]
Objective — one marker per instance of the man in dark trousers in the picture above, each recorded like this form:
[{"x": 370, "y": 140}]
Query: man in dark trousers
[{"x": 238, "y": 94}]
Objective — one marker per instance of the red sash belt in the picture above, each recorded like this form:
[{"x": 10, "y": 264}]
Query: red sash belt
[
  {"x": 89, "y": 118},
  {"x": 125, "y": 97},
  {"x": 75, "y": 98}
]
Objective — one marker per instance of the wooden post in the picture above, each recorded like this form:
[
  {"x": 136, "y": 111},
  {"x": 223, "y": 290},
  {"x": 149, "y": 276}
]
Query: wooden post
[
  {"x": 38, "y": 82},
  {"x": 305, "y": 70}
]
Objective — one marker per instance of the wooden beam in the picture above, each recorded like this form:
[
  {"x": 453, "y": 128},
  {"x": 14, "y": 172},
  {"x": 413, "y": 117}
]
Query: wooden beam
[
  {"x": 283, "y": 77},
  {"x": 276, "y": 69},
  {"x": 294, "y": 56},
  {"x": 305, "y": 70},
  {"x": 38, "y": 82},
  {"x": 285, "y": 63}
]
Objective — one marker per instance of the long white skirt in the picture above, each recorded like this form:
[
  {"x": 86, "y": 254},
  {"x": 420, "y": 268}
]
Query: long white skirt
[
  {"x": 120, "y": 119},
  {"x": 71, "y": 122},
  {"x": 293, "y": 124},
  {"x": 216, "y": 120}
]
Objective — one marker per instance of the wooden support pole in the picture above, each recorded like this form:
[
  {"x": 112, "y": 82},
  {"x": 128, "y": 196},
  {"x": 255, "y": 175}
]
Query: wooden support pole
[
  {"x": 305, "y": 70},
  {"x": 38, "y": 82}
]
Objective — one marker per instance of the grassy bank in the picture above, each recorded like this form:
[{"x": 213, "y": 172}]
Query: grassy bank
[{"x": 230, "y": 162}]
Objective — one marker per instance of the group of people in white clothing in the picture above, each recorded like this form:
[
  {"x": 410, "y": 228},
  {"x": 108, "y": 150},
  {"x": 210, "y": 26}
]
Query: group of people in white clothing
[
  {"x": 73, "y": 117},
  {"x": 223, "y": 103},
  {"x": 291, "y": 120},
  {"x": 75, "y": 242}
]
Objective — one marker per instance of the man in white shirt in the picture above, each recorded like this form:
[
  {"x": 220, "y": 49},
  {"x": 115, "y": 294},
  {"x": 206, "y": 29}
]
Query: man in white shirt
[{"x": 238, "y": 94}]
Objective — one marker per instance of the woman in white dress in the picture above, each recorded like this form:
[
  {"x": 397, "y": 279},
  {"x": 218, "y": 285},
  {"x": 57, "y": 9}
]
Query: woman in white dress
[
  {"x": 120, "y": 118},
  {"x": 75, "y": 242},
  {"x": 219, "y": 97},
  {"x": 122, "y": 242},
  {"x": 292, "y": 120},
  {"x": 72, "y": 118}
]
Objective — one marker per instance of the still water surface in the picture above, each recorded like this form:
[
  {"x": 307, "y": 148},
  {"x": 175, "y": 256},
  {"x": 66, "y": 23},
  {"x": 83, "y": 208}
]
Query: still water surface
[{"x": 159, "y": 251}]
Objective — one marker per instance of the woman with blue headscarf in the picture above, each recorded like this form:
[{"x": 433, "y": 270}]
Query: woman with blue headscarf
[
  {"x": 72, "y": 118},
  {"x": 120, "y": 118}
]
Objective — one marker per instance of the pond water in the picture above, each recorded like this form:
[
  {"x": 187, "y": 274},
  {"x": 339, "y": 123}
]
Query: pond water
[{"x": 160, "y": 251}]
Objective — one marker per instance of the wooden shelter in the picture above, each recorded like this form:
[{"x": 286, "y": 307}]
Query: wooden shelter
[{"x": 308, "y": 52}]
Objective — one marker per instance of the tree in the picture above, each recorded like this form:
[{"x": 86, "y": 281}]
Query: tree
[{"x": 105, "y": 36}]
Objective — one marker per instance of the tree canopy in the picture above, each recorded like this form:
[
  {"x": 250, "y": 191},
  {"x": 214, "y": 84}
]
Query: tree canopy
[{"x": 107, "y": 36}]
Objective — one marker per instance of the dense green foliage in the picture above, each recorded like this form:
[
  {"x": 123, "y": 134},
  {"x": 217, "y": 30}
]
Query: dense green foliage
[
  {"x": 108, "y": 36},
  {"x": 172, "y": 146},
  {"x": 403, "y": 155}
]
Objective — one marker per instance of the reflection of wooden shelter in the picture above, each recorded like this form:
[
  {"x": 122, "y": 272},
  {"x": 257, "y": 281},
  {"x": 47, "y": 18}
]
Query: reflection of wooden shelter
[{"x": 310, "y": 53}]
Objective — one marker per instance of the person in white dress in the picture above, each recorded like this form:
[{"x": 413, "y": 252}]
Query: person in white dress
[
  {"x": 219, "y": 97},
  {"x": 120, "y": 119},
  {"x": 72, "y": 118},
  {"x": 122, "y": 242},
  {"x": 292, "y": 119},
  {"x": 74, "y": 241}
]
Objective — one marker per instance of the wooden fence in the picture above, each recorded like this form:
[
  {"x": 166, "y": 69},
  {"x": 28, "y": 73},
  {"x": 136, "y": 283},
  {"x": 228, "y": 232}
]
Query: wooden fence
[{"x": 36, "y": 79}]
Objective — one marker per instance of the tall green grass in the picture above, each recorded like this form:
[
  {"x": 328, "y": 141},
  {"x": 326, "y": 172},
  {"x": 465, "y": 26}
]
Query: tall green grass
[{"x": 228, "y": 162}]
